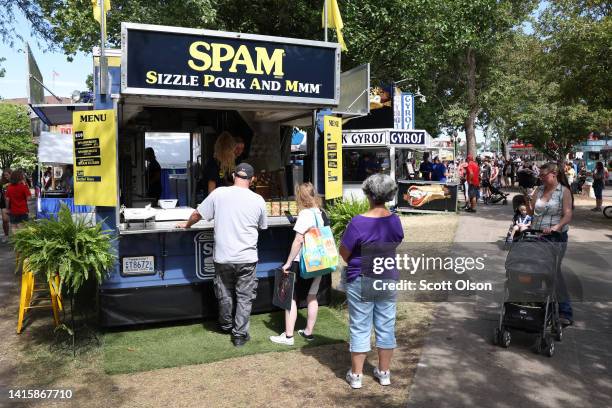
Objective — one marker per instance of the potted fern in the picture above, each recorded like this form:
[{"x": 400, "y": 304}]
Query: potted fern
[
  {"x": 80, "y": 253},
  {"x": 342, "y": 211}
]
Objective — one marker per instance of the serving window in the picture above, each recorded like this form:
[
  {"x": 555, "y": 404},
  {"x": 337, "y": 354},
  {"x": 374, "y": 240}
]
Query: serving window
[{"x": 359, "y": 163}]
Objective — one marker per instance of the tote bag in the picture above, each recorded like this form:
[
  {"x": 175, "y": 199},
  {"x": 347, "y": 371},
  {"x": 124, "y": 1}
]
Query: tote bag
[{"x": 319, "y": 253}]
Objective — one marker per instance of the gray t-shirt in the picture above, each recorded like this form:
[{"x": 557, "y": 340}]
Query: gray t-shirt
[{"x": 238, "y": 213}]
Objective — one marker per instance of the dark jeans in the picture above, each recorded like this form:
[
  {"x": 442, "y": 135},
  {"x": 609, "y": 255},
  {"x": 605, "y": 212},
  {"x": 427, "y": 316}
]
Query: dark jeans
[
  {"x": 598, "y": 190},
  {"x": 565, "y": 306},
  {"x": 235, "y": 284},
  {"x": 18, "y": 218}
]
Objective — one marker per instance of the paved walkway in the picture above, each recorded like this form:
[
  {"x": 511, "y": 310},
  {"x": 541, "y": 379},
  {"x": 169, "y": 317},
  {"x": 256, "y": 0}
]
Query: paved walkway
[{"x": 459, "y": 366}]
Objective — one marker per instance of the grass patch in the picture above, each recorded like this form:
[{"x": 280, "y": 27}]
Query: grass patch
[{"x": 162, "y": 347}]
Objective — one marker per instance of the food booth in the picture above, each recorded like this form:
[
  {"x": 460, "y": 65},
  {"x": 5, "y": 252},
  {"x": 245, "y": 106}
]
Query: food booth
[
  {"x": 390, "y": 151},
  {"x": 194, "y": 84}
]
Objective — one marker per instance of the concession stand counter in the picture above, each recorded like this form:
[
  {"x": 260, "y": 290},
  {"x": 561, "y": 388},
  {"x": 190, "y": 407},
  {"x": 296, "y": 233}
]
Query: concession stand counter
[{"x": 195, "y": 84}]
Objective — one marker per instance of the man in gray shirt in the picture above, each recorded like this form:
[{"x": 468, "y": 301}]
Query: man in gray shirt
[{"x": 238, "y": 214}]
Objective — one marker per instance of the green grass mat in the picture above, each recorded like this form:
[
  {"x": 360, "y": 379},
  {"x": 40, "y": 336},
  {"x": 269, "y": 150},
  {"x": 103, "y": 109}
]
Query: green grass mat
[{"x": 161, "y": 347}]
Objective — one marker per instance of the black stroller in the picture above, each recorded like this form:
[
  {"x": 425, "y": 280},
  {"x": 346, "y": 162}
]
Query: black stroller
[
  {"x": 530, "y": 302},
  {"x": 497, "y": 195}
]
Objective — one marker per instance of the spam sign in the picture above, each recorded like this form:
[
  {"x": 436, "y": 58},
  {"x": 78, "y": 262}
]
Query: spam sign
[{"x": 173, "y": 61}]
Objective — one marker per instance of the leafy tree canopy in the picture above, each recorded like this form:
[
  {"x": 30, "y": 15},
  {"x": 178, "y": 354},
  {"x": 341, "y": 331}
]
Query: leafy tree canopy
[
  {"x": 464, "y": 55},
  {"x": 15, "y": 134}
]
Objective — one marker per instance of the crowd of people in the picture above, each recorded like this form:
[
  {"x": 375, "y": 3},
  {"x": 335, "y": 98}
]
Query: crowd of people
[{"x": 480, "y": 177}]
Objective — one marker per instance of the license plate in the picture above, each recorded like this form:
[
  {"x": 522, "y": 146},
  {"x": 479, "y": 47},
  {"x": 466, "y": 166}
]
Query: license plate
[{"x": 139, "y": 265}]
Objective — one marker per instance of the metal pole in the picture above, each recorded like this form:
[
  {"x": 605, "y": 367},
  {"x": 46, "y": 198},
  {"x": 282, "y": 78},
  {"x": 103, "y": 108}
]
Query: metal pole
[
  {"x": 325, "y": 19},
  {"x": 315, "y": 153},
  {"x": 103, "y": 65}
]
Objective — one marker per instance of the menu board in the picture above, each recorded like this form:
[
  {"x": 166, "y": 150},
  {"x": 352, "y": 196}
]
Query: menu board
[
  {"x": 332, "y": 130},
  {"x": 95, "y": 158}
]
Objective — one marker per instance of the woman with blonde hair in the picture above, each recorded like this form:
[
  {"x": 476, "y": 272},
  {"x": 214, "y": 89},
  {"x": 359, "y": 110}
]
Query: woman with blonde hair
[
  {"x": 310, "y": 215},
  {"x": 218, "y": 170}
]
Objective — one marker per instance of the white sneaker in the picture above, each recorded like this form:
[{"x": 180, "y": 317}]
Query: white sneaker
[
  {"x": 282, "y": 339},
  {"x": 384, "y": 377},
  {"x": 354, "y": 380}
]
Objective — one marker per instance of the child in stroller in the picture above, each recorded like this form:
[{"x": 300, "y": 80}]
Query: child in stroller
[
  {"x": 520, "y": 223},
  {"x": 530, "y": 301}
]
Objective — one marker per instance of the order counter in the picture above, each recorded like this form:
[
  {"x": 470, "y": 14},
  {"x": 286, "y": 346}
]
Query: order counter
[{"x": 166, "y": 273}]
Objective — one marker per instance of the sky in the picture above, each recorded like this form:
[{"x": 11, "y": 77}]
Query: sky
[{"x": 71, "y": 77}]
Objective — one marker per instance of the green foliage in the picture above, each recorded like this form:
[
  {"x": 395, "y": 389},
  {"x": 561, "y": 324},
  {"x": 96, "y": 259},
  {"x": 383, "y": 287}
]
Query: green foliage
[
  {"x": 552, "y": 88},
  {"x": 453, "y": 51},
  {"x": 15, "y": 134},
  {"x": 69, "y": 247},
  {"x": 69, "y": 24},
  {"x": 342, "y": 211},
  {"x": 2, "y": 70},
  {"x": 89, "y": 82}
]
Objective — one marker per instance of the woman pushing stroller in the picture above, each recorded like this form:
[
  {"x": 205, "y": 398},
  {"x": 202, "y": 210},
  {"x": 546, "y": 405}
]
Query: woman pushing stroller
[{"x": 551, "y": 205}]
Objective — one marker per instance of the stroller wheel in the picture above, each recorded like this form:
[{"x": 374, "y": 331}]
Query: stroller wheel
[
  {"x": 505, "y": 339},
  {"x": 549, "y": 346},
  {"x": 559, "y": 334}
]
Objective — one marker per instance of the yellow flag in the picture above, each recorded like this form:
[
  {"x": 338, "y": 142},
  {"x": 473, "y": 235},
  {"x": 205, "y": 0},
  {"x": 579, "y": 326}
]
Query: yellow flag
[
  {"x": 334, "y": 20},
  {"x": 96, "y": 11}
]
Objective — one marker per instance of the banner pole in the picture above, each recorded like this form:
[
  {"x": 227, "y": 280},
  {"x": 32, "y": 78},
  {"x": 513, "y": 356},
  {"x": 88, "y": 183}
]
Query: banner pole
[
  {"x": 103, "y": 65},
  {"x": 325, "y": 18}
]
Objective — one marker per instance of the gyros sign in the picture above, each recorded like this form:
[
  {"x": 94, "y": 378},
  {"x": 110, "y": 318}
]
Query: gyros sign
[
  {"x": 364, "y": 138},
  {"x": 414, "y": 138}
]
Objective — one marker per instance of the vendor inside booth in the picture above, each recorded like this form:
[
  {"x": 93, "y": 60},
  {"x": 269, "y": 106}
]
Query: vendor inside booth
[{"x": 188, "y": 105}]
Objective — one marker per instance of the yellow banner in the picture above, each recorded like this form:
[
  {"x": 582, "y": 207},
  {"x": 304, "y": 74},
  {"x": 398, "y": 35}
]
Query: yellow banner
[
  {"x": 95, "y": 158},
  {"x": 332, "y": 129}
]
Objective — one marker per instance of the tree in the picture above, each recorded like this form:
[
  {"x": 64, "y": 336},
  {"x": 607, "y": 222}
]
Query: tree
[
  {"x": 576, "y": 36},
  {"x": 69, "y": 24},
  {"x": 514, "y": 86},
  {"x": 15, "y": 134},
  {"x": 466, "y": 34},
  {"x": 442, "y": 47},
  {"x": 2, "y": 70},
  {"x": 38, "y": 24},
  {"x": 89, "y": 82}
]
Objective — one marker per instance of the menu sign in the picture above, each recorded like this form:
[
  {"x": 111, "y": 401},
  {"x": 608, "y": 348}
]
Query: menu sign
[
  {"x": 332, "y": 130},
  {"x": 95, "y": 158}
]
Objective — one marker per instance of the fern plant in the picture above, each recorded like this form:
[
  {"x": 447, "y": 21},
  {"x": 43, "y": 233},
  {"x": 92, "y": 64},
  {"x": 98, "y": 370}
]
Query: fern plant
[
  {"x": 69, "y": 247},
  {"x": 342, "y": 211}
]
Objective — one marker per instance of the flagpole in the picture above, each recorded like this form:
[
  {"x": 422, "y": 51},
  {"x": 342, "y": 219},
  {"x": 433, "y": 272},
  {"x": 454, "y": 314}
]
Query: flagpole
[
  {"x": 325, "y": 18},
  {"x": 103, "y": 66}
]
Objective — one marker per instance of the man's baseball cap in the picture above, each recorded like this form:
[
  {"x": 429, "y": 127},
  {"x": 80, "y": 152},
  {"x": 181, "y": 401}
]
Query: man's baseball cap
[{"x": 244, "y": 171}]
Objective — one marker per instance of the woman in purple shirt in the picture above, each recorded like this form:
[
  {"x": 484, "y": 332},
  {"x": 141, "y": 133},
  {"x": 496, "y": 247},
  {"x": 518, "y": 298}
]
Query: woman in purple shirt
[{"x": 378, "y": 226}]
